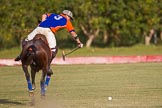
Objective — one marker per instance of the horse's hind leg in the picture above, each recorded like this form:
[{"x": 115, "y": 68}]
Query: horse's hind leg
[
  {"x": 28, "y": 80},
  {"x": 42, "y": 83},
  {"x": 33, "y": 78},
  {"x": 48, "y": 77}
]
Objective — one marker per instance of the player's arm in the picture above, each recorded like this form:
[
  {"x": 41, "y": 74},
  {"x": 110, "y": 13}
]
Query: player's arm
[
  {"x": 73, "y": 34},
  {"x": 76, "y": 38},
  {"x": 44, "y": 16}
]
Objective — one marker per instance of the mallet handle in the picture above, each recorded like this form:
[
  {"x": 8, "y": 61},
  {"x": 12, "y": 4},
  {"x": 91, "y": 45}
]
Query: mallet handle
[{"x": 72, "y": 51}]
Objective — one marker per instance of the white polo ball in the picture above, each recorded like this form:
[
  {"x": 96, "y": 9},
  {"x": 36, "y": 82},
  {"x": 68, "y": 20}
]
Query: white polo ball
[{"x": 109, "y": 98}]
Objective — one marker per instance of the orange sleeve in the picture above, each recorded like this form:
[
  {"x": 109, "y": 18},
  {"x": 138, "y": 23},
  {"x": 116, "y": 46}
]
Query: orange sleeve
[{"x": 69, "y": 26}]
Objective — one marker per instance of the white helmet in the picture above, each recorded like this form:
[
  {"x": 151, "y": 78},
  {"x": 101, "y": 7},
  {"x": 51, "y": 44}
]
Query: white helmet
[{"x": 68, "y": 13}]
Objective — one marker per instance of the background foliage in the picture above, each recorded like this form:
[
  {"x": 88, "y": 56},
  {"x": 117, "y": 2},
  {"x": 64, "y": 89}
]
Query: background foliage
[{"x": 103, "y": 23}]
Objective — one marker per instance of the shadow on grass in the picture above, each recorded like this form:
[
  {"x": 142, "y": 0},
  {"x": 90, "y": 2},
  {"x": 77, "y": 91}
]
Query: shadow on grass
[{"x": 7, "y": 101}]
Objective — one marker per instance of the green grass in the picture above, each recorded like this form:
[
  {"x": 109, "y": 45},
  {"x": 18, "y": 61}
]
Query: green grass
[
  {"x": 87, "y": 86},
  {"x": 135, "y": 50}
]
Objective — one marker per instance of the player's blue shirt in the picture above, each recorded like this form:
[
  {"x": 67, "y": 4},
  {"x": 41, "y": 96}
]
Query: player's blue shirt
[{"x": 56, "y": 21}]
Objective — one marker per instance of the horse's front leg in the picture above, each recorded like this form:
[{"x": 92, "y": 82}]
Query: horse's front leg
[
  {"x": 25, "y": 69},
  {"x": 42, "y": 83},
  {"x": 33, "y": 78}
]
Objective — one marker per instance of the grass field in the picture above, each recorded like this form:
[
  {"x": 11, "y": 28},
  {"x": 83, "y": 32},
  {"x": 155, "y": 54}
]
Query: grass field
[{"x": 87, "y": 86}]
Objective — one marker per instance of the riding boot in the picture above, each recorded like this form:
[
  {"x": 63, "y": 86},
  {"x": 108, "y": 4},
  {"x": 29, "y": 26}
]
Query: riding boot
[
  {"x": 24, "y": 42},
  {"x": 50, "y": 72},
  {"x": 53, "y": 55},
  {"x": 18, "y": 58}
]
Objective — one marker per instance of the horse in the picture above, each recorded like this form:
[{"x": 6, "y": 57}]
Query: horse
[{"x": 37, "y": 54}]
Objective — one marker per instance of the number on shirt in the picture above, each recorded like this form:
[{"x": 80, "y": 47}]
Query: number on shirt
[{"x": 58, "y": 17}]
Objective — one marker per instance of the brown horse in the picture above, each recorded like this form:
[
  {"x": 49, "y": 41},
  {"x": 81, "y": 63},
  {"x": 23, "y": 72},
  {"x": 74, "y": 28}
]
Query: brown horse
[{"x": 36, "y": 54}]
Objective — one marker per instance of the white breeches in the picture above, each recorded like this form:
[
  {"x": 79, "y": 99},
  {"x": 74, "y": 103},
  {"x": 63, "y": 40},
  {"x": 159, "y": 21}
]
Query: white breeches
[{"x": 45, "y": 31}]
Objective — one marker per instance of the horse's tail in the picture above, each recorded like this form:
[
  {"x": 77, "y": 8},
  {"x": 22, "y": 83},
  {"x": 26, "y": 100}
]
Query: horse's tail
[{"x": 31, "y": 50}]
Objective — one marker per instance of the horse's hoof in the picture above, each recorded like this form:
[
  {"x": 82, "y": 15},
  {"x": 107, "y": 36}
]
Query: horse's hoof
[
  {"x": 33, "y": 87},
  {"x": 31, "y": 93},
  {"x": 45, "y": 87}
]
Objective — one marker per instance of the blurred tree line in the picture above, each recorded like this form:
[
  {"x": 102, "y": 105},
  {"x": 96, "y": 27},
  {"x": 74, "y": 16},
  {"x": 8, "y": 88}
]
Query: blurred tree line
[{"x": 105, "y": 23}]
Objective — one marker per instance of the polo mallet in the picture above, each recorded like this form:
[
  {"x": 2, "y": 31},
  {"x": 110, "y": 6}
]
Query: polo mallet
[{"x": 63, "y": 53}]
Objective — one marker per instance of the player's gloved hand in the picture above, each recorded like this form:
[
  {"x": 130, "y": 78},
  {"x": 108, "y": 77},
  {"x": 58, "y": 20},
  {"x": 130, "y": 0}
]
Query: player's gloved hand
[{"x": 80, "y": 45}]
